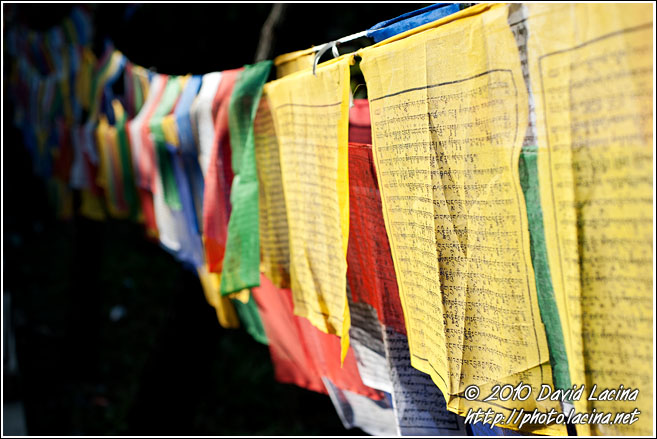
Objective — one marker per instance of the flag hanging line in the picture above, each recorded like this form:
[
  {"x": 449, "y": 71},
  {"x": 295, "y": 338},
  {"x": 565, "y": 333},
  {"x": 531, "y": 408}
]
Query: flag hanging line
[
  {"x": 390, "y": 28},
  {"x": 333, "y": 45}
]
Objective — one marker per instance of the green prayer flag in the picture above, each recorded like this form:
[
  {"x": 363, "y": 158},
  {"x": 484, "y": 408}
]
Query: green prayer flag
[
  {"x": 169, "y": 99},
  {"x": 241, "y": 268},
  {"x": 139, "y": 94},
  {"x": 129, "y": 187},
  {"x": 250, "y": 319},
  {"x": 528, "y": 171}
]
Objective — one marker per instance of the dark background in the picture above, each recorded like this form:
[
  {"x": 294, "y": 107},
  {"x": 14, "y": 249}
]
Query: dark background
[
  {"x": 201, "y": 38},
  {"x": 166, "y": 367}
]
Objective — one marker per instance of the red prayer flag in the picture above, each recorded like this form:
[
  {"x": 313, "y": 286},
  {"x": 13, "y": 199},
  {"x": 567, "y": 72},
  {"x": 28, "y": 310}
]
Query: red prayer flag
[
  {"x": 325, "y": 351},
  {"x": 360, "y": 127},
  {"x": 289, "y": 355},
  {"x": 301, "y": 353},
  {"x": 146, "y": 166},
  {"x": 219, "y": 177},
  {"x": 370, "y": 270}
]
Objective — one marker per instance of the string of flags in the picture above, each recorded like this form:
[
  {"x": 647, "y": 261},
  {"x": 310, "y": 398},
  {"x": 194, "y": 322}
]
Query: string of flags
[{"x": 466, "y": 251}]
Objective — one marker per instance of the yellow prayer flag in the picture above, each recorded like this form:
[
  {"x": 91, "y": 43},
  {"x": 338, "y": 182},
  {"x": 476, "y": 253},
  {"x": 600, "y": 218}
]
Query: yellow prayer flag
[
  {"x": 225, "y": 310},
  {"x": 449, "y": 111},
  {"x": 274, "y": 234},
  {"x": 91, "y": 205},
  {"x": 170, "y": 130},
  {"x": 311, "y": 118},
  {"x": 102, "y": 130},
  {"x": 294, "y": 62},
  {"x": 109, "y": 170},
  {"x": 592, "y": 80}
]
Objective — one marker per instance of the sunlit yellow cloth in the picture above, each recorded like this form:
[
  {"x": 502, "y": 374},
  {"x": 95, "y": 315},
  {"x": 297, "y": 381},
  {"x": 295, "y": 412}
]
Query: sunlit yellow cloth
[
  {"x": 447, "y": 107},
  {"x": 272, "y": 216},
  {"x": 222, "y": 304},
  {"x": 311, "y": 118},
  {"x": 592, "y": 78},
  {"x": 294, "y": 62}
]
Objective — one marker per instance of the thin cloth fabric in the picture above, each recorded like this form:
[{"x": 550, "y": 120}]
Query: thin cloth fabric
[
  {"x": 188, "y": 151},
  {"x": 446, "y": 212},
  {"x": 375, "y": 417},
  {"x": 202, "y": 119},
  {"x": 410, "y": 20},
  {"x": 223, "y": 158},
  {"x": 112, "y": 168},
  {"x": 301, "y": 353},
  {"x": 241, "y": 268},
  {"x": 528, "y": 171},
  {"x": 167, "y": 218},
  {"x": 482, "y": 429},
  {"x": 86, "y": 161},
  {"x": 290, "y": 357},
  {"x": 370, "y": 270},
  {"x": 136, "y": 88},
  {"x": 128, "y": 183},
  {"x": 216, "y": 205},
  {"x": 185, "y": 233},
  {"x": 274, "y": 233},
  {"x": 360, "y": 126},
  {"x": 92, "y": 193},
  {"x": 139, "y": 141},
  {"x": 594, "y": 161},
  {"x": 223, "y": 306},
  {"x": 312, "y": 121},
  {"x": 324, "y": 352},
  {"x": 295, "y": 61},
  {"x": 382, "y": 352},
  {"x": 247, "y": 310},
  {"x": 420, "y": 407}
]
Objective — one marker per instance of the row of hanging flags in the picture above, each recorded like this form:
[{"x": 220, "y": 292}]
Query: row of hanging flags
[{"x": 483, "y": 218}]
